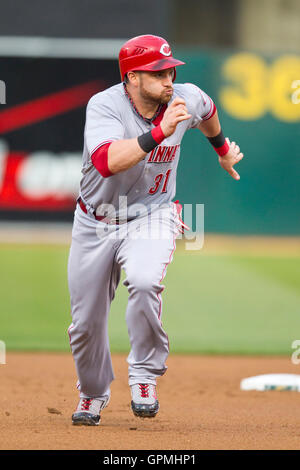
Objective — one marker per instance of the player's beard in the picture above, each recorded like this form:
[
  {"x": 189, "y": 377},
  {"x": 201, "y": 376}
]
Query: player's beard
[{"x": 152, "y": 98}]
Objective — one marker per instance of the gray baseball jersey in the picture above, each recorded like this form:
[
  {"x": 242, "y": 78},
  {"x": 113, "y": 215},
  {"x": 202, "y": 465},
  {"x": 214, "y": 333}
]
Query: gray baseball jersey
[
  {"x": 96, "y": 258},
  {"x": 110, "y": 116}
]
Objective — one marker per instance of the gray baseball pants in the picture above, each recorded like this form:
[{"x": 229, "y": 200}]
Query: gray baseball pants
[{"x": 98, "y": 253}]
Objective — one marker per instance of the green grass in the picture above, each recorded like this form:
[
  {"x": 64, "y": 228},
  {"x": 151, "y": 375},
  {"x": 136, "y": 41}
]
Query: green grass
[{"x": 227, "y": 304}]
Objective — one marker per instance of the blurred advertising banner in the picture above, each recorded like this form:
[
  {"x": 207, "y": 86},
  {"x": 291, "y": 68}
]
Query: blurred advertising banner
[
  {"x": 42, "y": 115},
  {"x": 258, "y": 101},
  {"x": 45, "y": 85}
]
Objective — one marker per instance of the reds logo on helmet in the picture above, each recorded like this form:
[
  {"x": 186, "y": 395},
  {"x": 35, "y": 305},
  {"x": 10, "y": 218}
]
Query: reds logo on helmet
[{"x": 165, "y": 50}]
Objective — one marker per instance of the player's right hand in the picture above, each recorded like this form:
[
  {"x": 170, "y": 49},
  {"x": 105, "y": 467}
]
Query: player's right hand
[{"x": 175, "y": 113}]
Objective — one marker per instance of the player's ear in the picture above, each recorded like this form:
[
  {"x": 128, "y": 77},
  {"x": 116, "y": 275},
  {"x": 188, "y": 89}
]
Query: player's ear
[{"x": 132, "y": 78}]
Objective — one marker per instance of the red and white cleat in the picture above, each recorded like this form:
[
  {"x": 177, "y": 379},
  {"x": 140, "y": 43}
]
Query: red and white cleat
[
  {"x": 144, "y": 402},
  {"x": 88, "y": 411}
]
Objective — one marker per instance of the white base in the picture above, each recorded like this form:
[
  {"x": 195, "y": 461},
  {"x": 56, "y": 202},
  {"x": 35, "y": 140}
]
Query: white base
[{"x": 266, "y": 382}]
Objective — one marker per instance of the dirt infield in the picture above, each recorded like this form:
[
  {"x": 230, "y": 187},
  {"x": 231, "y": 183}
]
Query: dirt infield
[{"x": 202, "y": 406}]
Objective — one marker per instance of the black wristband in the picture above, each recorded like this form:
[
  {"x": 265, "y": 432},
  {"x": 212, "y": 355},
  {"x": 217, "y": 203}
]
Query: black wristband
[
  {"x": 147, "y": 142},
  {"x": 218, "y": 140}
]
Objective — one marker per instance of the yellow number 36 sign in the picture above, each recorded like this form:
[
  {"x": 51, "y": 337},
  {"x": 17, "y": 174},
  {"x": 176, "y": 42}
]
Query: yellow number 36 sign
[{"x": 257, "y": 87}]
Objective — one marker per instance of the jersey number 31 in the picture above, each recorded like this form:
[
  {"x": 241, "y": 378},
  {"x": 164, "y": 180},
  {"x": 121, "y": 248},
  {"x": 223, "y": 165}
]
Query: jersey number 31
[{"x": 158, "y": 180}]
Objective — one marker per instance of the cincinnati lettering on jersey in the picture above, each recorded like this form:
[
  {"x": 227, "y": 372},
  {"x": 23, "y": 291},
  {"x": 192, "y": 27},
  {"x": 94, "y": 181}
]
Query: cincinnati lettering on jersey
[{"x": 163, "y": 154}]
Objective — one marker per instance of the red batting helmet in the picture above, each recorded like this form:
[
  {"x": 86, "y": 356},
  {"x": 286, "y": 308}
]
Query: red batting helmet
[{"x": 146, "y": 53}]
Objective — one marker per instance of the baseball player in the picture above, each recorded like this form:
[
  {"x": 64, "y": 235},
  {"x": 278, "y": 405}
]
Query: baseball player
[{"x": 132, "y": 141}]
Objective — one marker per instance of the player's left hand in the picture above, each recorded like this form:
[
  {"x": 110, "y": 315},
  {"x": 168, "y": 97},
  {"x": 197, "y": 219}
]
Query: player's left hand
[{"x": 232, "y": 157}]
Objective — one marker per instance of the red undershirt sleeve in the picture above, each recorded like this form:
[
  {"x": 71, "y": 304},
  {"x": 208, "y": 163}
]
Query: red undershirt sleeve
[{"x": 100, "y": 160}]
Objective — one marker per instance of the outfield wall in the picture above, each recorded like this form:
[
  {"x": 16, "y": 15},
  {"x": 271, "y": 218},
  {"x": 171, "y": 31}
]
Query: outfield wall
[
  {"x": 41, "y": 133},
  {"x": 258, "y": 100}
]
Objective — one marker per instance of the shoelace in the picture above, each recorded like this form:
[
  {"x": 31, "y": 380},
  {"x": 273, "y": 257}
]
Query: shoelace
[
  {"x": 144, "y": 388},
  {"x": 86, "y": 403}
]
